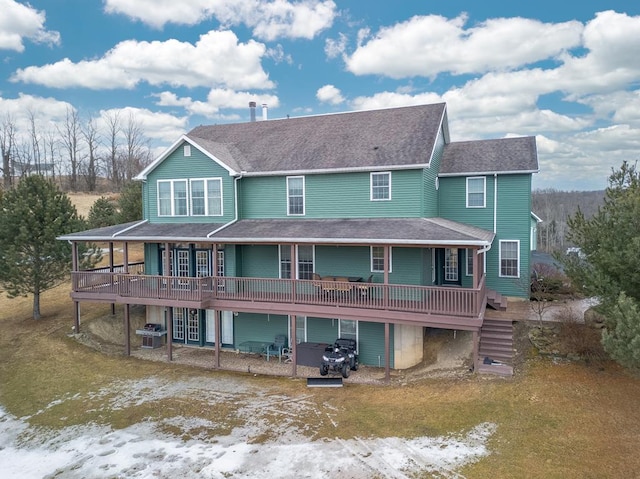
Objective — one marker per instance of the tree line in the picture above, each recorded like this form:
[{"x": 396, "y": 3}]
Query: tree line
[
  {"x": 555, "y": 208},
  {"x": 79, "y": 154}
]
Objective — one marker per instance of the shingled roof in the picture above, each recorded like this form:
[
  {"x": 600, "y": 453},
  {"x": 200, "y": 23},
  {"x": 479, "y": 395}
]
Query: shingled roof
[
  {"x": 506, "y": 155},
  {"x": 393, "y": 137}
]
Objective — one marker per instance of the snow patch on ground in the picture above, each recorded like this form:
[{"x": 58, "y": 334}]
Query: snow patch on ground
[{"x": 143, "y": 450}]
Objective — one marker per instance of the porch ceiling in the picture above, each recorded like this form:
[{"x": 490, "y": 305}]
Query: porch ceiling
[{"x": 394, "y": 231}]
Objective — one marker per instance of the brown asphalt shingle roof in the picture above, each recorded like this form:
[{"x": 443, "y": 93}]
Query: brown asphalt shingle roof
[
  {"x": 490, "y": 156},
  {"x": 411, "y": 231},
  {"x": 364, "y": 139}
]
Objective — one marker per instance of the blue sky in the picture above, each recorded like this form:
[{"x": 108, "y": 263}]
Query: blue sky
[{"x": 568, "y": 74}]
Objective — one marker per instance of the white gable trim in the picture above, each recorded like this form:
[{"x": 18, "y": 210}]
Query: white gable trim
[{"x": 184, "y": 138}]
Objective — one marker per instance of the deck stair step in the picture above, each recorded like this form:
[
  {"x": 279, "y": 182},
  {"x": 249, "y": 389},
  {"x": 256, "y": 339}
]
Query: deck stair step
[
  {"x": 496, "y": 301},
  {"x": 495, "y": 351}
]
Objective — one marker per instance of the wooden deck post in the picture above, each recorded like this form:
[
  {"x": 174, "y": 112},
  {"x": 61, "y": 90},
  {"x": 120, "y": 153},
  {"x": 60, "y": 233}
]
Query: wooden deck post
[
  {"x": 113, "y": 305},
  {"x": 387, "y": 353},
  {"x": 218, "y": 329},
  {"x": 127, "y": 330},
  {"x": 76, "y": 317},
  {"x": 169, "y": 320},
  {"x": 476, "y": 348},
  {"x": 294, "y": 349}
]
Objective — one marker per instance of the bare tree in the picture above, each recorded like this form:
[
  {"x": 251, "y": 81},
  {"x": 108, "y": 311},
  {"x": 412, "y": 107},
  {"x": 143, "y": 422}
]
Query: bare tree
[
  {"x": 92, "y": 140},
  {"x": 137, "y": 152},
  {"x": 112, "y": 120},
  {"x": 7, "y": 147},
  {"x": 36, "y": 141},
  {"x": 70, "y": 133}
]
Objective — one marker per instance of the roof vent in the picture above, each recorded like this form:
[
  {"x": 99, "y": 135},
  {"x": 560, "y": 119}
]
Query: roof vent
[
  {"x": 252, "y": 109},
  {"x": 264, "y": 111}
]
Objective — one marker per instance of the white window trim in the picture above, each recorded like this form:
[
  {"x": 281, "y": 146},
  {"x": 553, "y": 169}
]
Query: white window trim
[
  {"x": 304, "y": 193},
  {"x": 371, "y": 175},
  {"x": 371, "y": 259},
  {"x": 469, "y": 253},
  {"x": 313, "y": 259},
  {"x": 206, "y": 196},
  {"x": 186, "y": 151},
  {"x": 172, "y": 197},
  {"x": 484, "y": 191},
  {"x": 500, "y": 259},
  {"x": 357, "y": 329}
]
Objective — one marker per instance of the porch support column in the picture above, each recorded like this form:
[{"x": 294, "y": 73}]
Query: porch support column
[
  {"x": 76, "y": 304},
  {"x": 386, "y": 275},
  {"x": 476, "y": 269},
  {"x": 169, "y": 320},
  {"x": 218, "y": 332},
  {"x": 476, "y": 347},
  {"x": 127, "y": 330},
  {"x": 214, "y": 269},
  {"x": 113, "y": 305},
  {"x": 294, "y": 347},
  {"x": 125, "y": 257},
  {"x": 387, "y": 353},
  {"x": 294, "y": 272}
]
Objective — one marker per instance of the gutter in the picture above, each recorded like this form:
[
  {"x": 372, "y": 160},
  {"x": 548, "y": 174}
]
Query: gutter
[{"x": 235, "y": 205}]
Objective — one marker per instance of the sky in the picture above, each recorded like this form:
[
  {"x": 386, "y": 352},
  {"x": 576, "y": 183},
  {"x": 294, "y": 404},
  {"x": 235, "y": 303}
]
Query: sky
[{"x": 565, "y": 72}]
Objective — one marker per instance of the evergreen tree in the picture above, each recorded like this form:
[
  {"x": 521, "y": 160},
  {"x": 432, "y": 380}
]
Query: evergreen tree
[
  {"x": 622, "y": 342},
  {"x": 608, "y": 266},
  {"x": 103, "y": 212},
  {"x": 32, "y": 260},
  {"x": 130, "y": 202}
]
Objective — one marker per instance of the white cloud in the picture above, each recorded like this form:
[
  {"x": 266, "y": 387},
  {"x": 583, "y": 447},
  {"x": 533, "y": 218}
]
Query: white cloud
[
  {"x": 268, "y": 19},
  {"x": 329, "y": 94},
  {"x": 154, "y": 125},
  {"x": 218, "y": 98},
  {"x": 429, "y": 45},
  {"x": 46, "y": 111},
  {"x": 334, "y": 48},
  {"x": 159, "y": 63},
  {"x": 19, "y": 21}
]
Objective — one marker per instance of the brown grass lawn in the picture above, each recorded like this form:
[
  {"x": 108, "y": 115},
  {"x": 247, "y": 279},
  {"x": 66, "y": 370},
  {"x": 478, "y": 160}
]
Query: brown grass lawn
[{"x": 554, "y": 420}]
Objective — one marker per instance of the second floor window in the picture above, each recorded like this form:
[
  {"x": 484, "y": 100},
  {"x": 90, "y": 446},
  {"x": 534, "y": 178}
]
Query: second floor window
[
  {"x": 206, "y": 197},
  {"x": 172, "y": 198},
  {"x": 295, "y": 195},
  {"x": 380, "y": 186},
  {"x": 305, "y": 262},
  {"x": 476, "y": 192},
  {"x": 377, "y": 259}
]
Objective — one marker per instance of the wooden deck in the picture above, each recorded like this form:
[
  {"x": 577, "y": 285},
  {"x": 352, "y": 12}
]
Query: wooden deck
[{"x": 431, "y": 304}]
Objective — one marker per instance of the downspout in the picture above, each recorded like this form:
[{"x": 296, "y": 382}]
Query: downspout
[
  {"x": 235, "y": 205},
  {"x": 495, "y": 203}
]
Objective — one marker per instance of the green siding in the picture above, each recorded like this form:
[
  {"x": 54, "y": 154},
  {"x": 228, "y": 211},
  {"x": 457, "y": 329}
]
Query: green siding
[
  {"x": 430, "y": 179},
  {"x": 322, "y": 330},
  {"x": 177, "y": 166},
  {"x": 258, "y": 327},
  {"x": 343, "y": 195},
  {"x": 512, "y": 222}
]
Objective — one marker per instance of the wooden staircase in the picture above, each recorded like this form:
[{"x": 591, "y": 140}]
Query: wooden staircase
[
  {"x": 495, "y": 351},
  {"x": 496, "y": 301}
]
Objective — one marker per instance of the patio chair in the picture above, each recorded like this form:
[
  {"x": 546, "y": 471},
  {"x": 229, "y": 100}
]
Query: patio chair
[
  {"x": 275, "y": 349},
  {"x": 363, "y": 288}
]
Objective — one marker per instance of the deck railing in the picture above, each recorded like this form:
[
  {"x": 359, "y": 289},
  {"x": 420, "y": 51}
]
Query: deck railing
[{"x": 464, "y": 302}]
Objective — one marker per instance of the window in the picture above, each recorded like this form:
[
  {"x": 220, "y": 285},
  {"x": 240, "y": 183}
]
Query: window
[
  {"x": 377, "y": 259},
  {"x": 380, "y": 186},
  {"x": 451, "y": 264},
  {"x": 206, "y": 197},
  {"x": 172, "y": 198},
  {"x": 301, "y": 329},
  {"x": 186, "y": 151},
  {"x": 469, "y": 262},
  {"x": 510, "y": 259},
  {"x": 476, "y": 192},
  {"x": 295, "y": 195},
  {"x": 203, "y": 265},
  {"x": 305, "y": 261},
  {"x": 348, "y": 329}
]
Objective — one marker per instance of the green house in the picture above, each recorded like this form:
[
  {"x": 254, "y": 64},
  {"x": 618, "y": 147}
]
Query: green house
[{"x": 370, "y": 225}]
